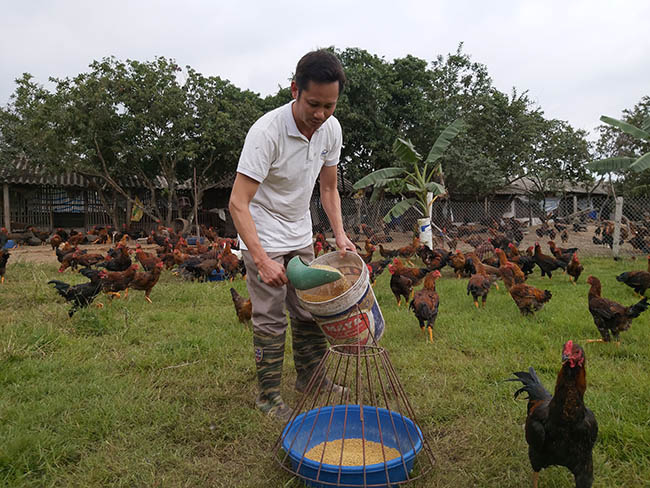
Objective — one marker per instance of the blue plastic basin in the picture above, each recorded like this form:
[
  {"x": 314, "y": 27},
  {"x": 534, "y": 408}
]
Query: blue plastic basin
[{"x": 311, "y": 428}]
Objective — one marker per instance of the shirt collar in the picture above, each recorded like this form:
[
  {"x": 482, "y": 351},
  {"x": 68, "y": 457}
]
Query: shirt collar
[{"x": 292, "y": 128}]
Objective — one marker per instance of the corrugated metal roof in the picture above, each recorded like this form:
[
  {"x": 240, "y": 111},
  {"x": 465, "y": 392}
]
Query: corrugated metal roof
[
  {"x": 22, "y": 172},
  {"x": 525, "y": 186}
]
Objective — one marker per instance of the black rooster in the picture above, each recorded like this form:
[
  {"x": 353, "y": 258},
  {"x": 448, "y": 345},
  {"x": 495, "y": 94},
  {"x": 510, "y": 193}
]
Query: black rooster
[{"x": 560, "y": 429}]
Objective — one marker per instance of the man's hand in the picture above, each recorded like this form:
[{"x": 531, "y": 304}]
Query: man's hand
[
  {"x": 344, "y": 244},
  {"x": 272, "y": 273}
]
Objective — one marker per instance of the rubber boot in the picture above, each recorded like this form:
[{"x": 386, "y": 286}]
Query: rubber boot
[
  {"x": 269, "y": 358},
  {"x": 309, "y": 347}
]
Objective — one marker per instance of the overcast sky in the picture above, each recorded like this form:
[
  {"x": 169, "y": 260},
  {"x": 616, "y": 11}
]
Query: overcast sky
[{"x": 578, "y": 59}]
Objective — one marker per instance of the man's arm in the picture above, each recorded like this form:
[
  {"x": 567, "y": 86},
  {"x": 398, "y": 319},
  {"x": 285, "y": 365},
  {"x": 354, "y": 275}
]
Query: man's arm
[
  {"x": 243, "y": 191},
  {"x": 329, "y": 196}
]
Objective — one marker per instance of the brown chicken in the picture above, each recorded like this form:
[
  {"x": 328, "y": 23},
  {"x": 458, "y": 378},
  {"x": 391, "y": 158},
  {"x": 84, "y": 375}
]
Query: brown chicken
[
  {"x": 560, "y": 429},
  {"x": 525, "y": 263},
  {"x": 561, "y": 253},
  {"x": 400, "y": 285},
  {"x": 518, "y": 274},
  {"x": 574, "y": 268},
  {"x": 87, "y": 260},
  {"x": 55, "y": 241},
  {"x": 479, "y": 283},
  {"x": 611, "y": 318},
  {"x": 416, "y": 275},
  {"x": 527, "y": 298},
  {"x": 243, "y": 307},
  {"x": 407, "y": 252},
  {"x": 388, "y": 253},
  {"x": 146, "y": 280},
  {"x": 230, "y": 263},
  {"x": 457, "y": 262},
  {"x": 148, "y": 260},
  {"x": 546, "y": 263},
  {"x": 116, "y": 281},
  {"x": 375, "y": 268},
  {"x": 325, "y": 245},
  {"x": 76, "y": 239},
  {"x": 425, "y": 303},
  {"x": 639, "y": 281}
]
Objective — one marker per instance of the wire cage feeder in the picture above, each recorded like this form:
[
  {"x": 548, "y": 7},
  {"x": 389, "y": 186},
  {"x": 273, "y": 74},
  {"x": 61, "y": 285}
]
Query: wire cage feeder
[{"x": 354, "y": 425}]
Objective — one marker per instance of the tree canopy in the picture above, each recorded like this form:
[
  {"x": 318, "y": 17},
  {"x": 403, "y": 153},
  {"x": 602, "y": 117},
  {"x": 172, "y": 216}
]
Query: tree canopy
[{"x": 159, "y": 122}]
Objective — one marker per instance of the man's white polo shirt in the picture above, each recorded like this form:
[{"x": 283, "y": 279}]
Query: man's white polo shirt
[{"x": 286, "y": 164}]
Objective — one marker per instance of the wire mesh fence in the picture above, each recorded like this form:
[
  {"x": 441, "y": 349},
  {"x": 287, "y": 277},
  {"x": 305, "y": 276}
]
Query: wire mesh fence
[{"x": 585, "y": 222}]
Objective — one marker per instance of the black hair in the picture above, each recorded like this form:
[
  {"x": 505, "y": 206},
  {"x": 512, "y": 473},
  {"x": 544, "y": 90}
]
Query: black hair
[{"x": 320, "y": 66}]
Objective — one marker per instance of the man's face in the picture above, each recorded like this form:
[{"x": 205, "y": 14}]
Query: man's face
[{"x": 314, "y": 105}]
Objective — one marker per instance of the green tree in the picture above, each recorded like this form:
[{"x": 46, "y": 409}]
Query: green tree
[{"x": 410, "y": 177}]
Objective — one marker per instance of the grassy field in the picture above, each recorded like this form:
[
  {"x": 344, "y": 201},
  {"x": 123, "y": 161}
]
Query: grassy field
[{"x": 162, "y": 395}]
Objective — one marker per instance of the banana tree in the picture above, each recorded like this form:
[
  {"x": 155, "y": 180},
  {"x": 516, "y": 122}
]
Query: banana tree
[
  {"x": 414, "y": 177},
  {"x": 621, "y": 163}
]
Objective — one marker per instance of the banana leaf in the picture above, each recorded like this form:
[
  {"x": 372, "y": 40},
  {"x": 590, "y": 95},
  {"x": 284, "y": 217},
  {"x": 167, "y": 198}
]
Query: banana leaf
[
  {"x": 444, "y": 139},
  {"x": 625, "y": 127},
  {"x": 435, "y": 188},
  {"x": 406, "y": 151},
  {"x": 399, "y": 209},
  {"x": 646, "y": 124},
  {"x": 641, "y": 164},
  {"x": 377, "y": 176},
  {"x": 610, "y": 165}
]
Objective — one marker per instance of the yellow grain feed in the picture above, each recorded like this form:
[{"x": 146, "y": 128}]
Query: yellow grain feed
[
  {"x": 330, "y": 290},
  {"x": 353, "y": 452}
]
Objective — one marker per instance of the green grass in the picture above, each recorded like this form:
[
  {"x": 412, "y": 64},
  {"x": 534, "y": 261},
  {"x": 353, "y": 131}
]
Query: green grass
[{"x": 162, "y": 395}]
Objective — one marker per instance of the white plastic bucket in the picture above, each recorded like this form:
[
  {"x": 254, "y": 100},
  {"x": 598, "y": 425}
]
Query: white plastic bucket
[
  {"x": 354, "y": 316},
  {"x": 426, "y": 237}
]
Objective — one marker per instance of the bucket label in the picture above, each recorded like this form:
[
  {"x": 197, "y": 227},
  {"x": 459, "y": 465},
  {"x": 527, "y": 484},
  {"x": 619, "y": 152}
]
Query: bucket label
[{"x": 347, "y": 328}]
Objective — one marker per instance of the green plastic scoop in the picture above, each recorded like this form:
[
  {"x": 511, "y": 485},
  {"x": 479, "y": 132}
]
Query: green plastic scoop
[{"x": 304, "y": 277}]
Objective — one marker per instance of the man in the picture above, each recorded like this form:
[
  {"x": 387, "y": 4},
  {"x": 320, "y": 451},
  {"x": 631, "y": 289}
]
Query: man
[{"x": 285, "y": 151}]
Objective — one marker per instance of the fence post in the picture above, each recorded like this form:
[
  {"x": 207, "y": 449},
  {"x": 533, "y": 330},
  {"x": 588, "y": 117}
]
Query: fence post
[
  {"x": 7, "y": 213},
  {"x": 617, "y": 226}
]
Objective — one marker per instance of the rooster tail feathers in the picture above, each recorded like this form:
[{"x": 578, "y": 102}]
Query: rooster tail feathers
[
  {"x": 532, "y": 385},
  {"x": 547, "y": 296},
  {"x": 638, "y": 308},
  {"x": 60, "y": 286},
  {"x": 562, "y": 264}
]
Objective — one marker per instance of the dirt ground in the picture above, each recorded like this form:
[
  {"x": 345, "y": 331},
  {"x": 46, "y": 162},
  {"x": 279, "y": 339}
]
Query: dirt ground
[
  {"x": 45, "y": 254},
  {"x": 581, "y": 240}
]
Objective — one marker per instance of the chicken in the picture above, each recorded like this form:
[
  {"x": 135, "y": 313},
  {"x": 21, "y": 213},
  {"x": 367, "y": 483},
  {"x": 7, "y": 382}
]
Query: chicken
[
  {"x": 231, "y": 263},
  {"x": 525, "y": 263},
  {"x": 113, "y": 282},
  {"x": 318, "y": 247},
  {"x": 69, "y": 259},
  {"x": 479, "y": 284},
  {"x": 611, "y": 318},
  {"x": 560, "y": 429},
  {"x": 76, "y": 239},
  {"x": 387, "y": 253},
  {"x": 416, "y": 275},
  {"x": 375, "y": 268},
  {"x": 118, "y": 259},
  {"x": 407, "y": 252},
  {"x": 560, "y": 253},
  {"x": 148, "y": 260},
  {"x": 639, "y": 281},
  {"x": 146, "y": 280},
  {"x": 574, "y": 268},
  {"x": 4, "y": 257},
  {"x": 82, "y": 295},
  {"x": 400, "y": 285},
  {"x": 457, "y": 261},
  {"x": 55, "y": 241},
  {"x": 243, "y": 307},
  {"x": 527, "y": 298},
  {"x": 546, "y": 263},
  {"x": 425, "y": 303},
  {"x": 369, "y": 247},
  {"x": 86, "y": 259},
  {"x": 367, "y": 257},
  {"x": 518, "y": 274},
  {"x": 432, "y": 259},
  {"x": 325, "y": 245}
]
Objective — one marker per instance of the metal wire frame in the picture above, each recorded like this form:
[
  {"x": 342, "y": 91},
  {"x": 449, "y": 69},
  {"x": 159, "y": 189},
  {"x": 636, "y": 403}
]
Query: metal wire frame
[{"x": 369, "y": 379}]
